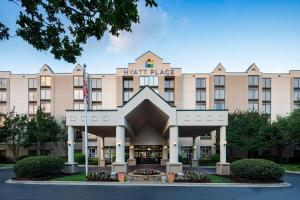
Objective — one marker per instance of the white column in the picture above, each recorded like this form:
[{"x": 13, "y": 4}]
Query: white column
[
  {"x": 131, "y": 152},
  {"x": 194, "y": 149},
  {"x": 70, "y": 144},
  {"x": 120, "y": 144},
  {"x": 223, "y": 144},
  {"x": 101, "y": 156},
  {"x": 165, "y": 152},
  {"x": 173, "y": 140}
]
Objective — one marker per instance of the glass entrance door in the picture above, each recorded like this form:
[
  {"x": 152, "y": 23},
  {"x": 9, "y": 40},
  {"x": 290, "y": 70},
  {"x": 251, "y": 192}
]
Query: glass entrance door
[{"x": 145, "y": 154}]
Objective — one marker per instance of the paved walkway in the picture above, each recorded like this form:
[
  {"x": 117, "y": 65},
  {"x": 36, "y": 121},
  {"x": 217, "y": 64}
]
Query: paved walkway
[{"x": 63, "y": 192}]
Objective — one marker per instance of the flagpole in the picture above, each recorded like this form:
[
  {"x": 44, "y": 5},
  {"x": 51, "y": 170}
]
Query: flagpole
[{"x": 85, "y": 90}]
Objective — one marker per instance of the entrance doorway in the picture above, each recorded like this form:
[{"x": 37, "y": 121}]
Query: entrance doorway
[{"x": 148, "y": 154}]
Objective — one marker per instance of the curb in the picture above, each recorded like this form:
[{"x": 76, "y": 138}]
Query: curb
[
  {"x": 292, "y": 172},
  {"x": 151, "y": 184}
]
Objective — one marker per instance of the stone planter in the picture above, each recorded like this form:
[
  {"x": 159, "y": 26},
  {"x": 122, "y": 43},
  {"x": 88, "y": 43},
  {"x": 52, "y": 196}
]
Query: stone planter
[
  {"x": 137, "y": 177},
  {"x": 171, "y": 177},
  {"x": 121, "y": 177}
]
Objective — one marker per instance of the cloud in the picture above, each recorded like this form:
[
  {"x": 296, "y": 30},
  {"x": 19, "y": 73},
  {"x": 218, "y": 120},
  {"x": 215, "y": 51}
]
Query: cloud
[{"x": 153, "y": 25}]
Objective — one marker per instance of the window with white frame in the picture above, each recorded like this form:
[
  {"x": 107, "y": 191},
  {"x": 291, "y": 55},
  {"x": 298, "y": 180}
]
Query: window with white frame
[
  {"x": 200, "y": 83},
  {"x": 96, "y": 96},
  {"x": 78, "y": 94},
  {"x": 45, "y": 81},
  {"x": 32, "y": 96},
  {"x": 253, "y": 80},
  {"x": 187, "y": 152},
  {"x": 205, "y": 151},
  {"x": 219, "y": 105},
  {"x": 253, "y": 106},
  {"x": 253, "y": 94},
  {"x": 2, "y": 83},
  {"x": 266, "y": 108},
  {"x": 78, "y": 81},
  {"x": 219, "y": 80},
  {"x": 148, "y": 81},
  {"x": 3, "y": 96},
  {"x": 266, "y": 95},
  {"x": 45, "y": 94},
  {"x": 169, "y": 95},
  {"x": 32, "y": 83},
  {"x": 46, "y": 106},
  {"x": 78, "y": 106},
  {"x": 169, "y": 83},
  {"x": 266, "y": 82},
  {"x": 201, "y": 95},
  {"x": 219, "y": 94},
  {"x": 32, "y": 108},
  {"x": 96, "y": 83},
  {"x": 128, "y": 83},
  {"x": 127, "y": 95},
  {"x": 200, "y": 106}
]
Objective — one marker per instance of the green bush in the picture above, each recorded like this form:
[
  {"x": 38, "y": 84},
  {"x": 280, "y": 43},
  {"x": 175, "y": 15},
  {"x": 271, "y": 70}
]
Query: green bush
[
  {"x": 215, "y": 158},
  {"x": 101, "y": 176},
  {"x": 93, "y": 161},
  {"x": 79, "y": 158},
  {"x": 38, "y": 167},
  {"x": 259, "y": 170}
]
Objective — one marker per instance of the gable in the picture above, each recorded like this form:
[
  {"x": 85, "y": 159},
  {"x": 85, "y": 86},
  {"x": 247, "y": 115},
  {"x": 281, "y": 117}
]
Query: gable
[{"x": 46, "y": 70}]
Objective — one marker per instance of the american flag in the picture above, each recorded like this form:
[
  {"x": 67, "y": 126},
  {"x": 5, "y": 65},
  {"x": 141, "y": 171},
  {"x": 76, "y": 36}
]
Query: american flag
[{"x": 85, "y": 84}]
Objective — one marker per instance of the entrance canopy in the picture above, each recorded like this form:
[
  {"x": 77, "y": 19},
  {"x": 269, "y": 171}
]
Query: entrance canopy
[{"x": 147, "y": 107}]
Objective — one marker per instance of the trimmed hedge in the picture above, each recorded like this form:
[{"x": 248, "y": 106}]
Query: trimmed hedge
[
  {"x": 259, "y": 170},
  {"x": 38, "y": 167}
]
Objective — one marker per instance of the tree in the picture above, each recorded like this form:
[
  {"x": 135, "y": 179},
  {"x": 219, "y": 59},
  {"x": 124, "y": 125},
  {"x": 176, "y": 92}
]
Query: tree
[
  {"x": 13, "y": 131},
  {"x": 245, "y": 131},
  {"x": 42, "y": 129},
  {"x": 62, "y": 26}
]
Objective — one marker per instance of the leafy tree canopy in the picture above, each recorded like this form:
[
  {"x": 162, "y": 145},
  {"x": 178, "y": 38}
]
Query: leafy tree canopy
[{"x": 62, "y": 26}]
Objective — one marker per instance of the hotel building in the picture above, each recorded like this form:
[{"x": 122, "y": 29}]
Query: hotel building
[{"x": 148, "y": 112}]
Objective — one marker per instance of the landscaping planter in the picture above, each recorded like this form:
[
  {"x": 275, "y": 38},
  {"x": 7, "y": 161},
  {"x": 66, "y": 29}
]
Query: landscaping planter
[
  {"x": 121, "y": 177},
  {"x": 171, "y": 177}
]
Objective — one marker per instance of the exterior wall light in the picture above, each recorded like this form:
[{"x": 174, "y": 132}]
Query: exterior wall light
[
  {"x": 69, "y": 143},
  {"x": 194, "y": 147},
  {"x": 175, "y": 144},
  {"x": 165, "y": 147},
  {"x": 225, "y": 143},
  {"x": 131, "y": 147},
  {"x": 119, "y": 143}
]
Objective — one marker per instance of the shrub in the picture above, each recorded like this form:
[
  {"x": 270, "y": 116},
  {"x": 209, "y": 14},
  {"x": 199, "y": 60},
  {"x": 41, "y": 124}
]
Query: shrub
[
  {"x": 100, "y": 176},
  {"x": 93, "y": 161},
  {"x": 79, "y": 158},
  {"x": 215, "y": 158},
  {"x": 191, "y": 177},
  {"x": 259, "y": 170},
  {"x": 38, "y": 167},
  {"x": 146, "y": 172}
]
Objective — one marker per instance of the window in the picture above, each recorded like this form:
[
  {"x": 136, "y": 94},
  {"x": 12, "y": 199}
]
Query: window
[
  {"x": 266, "y": 95},
  {"x": 2, "y": 107},
  {"x": 96, "y": 106},
  {"x": 32, "y": 108},
  {"x": 96, "y": 96},
  {"x": 219, "y": 94},
  {"x": 297, "y": 83},
  {"x": 78, "y": 81},
  {"x": 96, "y": 83},
  {"x": 128, "y": 83},
  {"x": 32, "y": 96},
  {"x": 169, "y": 83},
  {"x": 200, "y": 96},
  {"x": 297, "y": 95},
  {"x": 266, "y": 82},
  {"x": 45, "y": 94},
  {"x": 127, "y": 95},
  {"x": 187, "y": 152},
  {"x": 32, "y": 83},
  {"x": 200, "y": 106},
  {"x": 148, "y": 81},
  {"x": 219, "y": 80},
  {"x": 200, "y": 83},
  {"x": 253, "y": 106},
  {"x": 78, "y": 106},
  {"x": 266, "y": 108},
  {"x": 92, "y": 151},
  {"x": 169, "y": 95},
  {"x": 45, "y": 81},
  {"x": 205, "y": 151},
  {"x": 3, "y": 83},
  {"x": 253, "y": 80},
  {"x": 220, "y": 106},
  {"x": 3, "y": 96},
  {"x": 78, "y": 94},
  {"x": 253, "y": 94},
  {"x": 46, "y": 106}
]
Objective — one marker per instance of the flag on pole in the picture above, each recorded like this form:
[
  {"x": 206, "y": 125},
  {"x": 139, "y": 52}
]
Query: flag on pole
[{"x": 85, "y": 96}]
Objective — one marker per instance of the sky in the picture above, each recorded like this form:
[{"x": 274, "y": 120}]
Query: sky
[{"x": 194, "y": 35}]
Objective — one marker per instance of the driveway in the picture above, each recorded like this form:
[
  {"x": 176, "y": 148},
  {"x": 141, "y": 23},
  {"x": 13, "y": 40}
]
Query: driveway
[{"x": 53, "y": 192}]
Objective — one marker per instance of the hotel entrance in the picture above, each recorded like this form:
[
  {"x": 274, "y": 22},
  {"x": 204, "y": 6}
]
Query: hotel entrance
[{"x": 146, "y": 154}]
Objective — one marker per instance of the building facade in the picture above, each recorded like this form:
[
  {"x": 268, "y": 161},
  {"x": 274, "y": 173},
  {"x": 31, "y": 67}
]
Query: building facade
[{"x": 61, "y": 95}]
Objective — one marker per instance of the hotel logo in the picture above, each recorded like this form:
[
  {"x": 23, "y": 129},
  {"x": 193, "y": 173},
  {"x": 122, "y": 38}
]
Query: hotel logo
[{"x": 149, "y": 63}]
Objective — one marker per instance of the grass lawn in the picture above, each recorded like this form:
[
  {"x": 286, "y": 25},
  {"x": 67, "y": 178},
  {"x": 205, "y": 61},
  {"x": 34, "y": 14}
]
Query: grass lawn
[
  {"x": 291, "y": 167},
  {"x": 75, "y": 177},
  {"x": 219, "y": 179},
  {"x": 6, "y": 165}
]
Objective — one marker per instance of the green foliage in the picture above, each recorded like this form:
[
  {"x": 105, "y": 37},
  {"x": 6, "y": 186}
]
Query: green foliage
[
  {"x": 100, "y": 176},
  {"x": 259, "y": 170},
  {"x": 42, "y": 129},
  {"x": 3, "y": 32},
  {"x": 215, "y": 158},
  {"x": 61, "y": 27},
  {"x": 13, "y": 130},
  {"x": 79, "y": 158},
  {"x": 38, "y": 167},
  {"x": 192, "y": 177}
]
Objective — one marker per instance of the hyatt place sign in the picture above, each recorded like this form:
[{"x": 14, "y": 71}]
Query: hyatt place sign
[{"x": 148, "y": 72}]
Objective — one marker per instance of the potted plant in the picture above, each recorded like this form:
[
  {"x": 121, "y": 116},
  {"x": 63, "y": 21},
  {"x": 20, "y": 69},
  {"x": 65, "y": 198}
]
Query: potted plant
[
  {"x": 121, "y": 177},
  {"x": 171, "y": 177}
]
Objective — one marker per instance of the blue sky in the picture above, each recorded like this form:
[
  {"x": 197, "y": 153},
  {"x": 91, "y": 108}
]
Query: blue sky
[{"x": 193, "y": 34}]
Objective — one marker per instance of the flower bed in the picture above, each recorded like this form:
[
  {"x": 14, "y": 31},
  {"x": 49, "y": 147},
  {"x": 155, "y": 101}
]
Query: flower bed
[
  {"x": 191, "y": 177},
  {"x": 101, "y": 176},
  {"x": 146, "y": 172}
]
